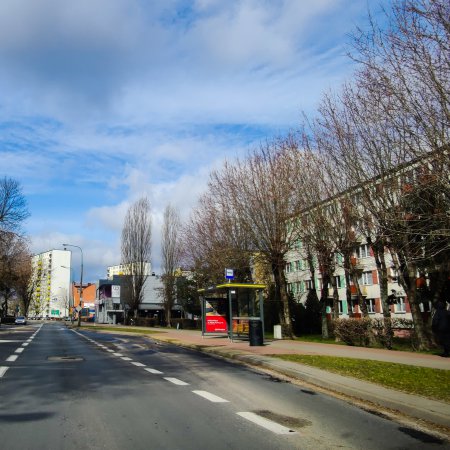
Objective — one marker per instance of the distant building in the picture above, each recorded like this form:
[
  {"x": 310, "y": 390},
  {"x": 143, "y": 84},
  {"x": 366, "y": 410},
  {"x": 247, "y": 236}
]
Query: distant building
[
  {"x": 51, "y": 275},
  {"x": 89, "y": 292},
  {"x": 111, "y": 304},
  {"x": 152, "y": 302},
  {"x": 124, "y": 269}
]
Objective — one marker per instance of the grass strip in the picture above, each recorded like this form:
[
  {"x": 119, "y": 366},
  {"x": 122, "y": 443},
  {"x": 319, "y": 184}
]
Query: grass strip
[
  {"x": 424, "y": 381},
  {"x": 123, "y": 329}
]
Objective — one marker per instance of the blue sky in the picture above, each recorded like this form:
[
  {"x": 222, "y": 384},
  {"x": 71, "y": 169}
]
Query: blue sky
[{"x": 103, "y": 101}]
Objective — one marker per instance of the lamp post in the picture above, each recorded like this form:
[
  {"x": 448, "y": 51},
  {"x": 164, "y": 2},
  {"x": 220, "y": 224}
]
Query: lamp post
[
  {"x": 71, "y": 293},
  {"x": 81, "y": 280}
]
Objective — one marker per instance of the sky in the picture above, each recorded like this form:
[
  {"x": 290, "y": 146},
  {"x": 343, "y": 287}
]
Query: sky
[{"x": 105, "y": 101}]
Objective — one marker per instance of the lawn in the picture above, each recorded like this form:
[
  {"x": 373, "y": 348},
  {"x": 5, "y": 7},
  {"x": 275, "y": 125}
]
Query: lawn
[
  {"x": 122, "y": 329},
  {"x": 424, "y": 381},
  {"x": 402, "y": 344}
]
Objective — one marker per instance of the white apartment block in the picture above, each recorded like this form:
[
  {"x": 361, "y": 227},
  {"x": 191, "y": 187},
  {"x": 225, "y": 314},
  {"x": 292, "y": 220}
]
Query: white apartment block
[
  {"x": 51, "y": 274},
  {"x": 299, "y": 283},
  {"x": 123, "y": 269}
]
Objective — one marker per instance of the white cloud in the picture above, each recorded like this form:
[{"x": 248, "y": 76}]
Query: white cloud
[{"x": 104, "y": 101}]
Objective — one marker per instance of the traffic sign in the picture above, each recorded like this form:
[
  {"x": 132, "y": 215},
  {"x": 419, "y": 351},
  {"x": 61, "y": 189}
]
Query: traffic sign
[{"x": 229, "y": 274}]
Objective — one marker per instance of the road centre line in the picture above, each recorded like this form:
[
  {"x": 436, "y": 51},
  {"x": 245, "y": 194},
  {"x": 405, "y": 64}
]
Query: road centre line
[
  {"x": 3, "y": 370},
  {"x": 176, "y": 381},
  {"x": 12, "y": 358},
  {"x": 266, "y": 423},
  {"x": 156, "y": 372},
  {"x": 211, "y": 397},
  {"x": 138, "y": 364}
]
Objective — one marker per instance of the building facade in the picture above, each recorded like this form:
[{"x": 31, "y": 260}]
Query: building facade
[
  {"x": 124, "y": 269},
  {"x": 299, "y": 283},
  {"x": 51, "y": 278}
]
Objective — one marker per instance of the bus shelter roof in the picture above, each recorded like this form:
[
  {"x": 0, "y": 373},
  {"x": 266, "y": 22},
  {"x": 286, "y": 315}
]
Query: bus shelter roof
[{"x": 224, "y": 286}]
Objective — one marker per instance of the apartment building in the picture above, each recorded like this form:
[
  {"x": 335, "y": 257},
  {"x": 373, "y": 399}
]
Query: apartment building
[
  {"x": 299, "y": 281},
  {"x": 123, "y": 269},
  {"x": 51, "y": 277}
]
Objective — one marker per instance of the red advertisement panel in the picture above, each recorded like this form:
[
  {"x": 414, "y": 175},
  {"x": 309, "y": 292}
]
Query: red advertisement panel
[{"x": 216, "y": 324}]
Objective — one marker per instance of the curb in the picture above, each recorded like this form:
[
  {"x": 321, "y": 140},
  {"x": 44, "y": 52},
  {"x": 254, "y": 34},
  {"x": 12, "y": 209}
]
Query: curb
[{"x": 413, "y": 406}]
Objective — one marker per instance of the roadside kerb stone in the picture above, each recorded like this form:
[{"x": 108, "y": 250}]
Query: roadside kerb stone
[{"x": 411, "y": 405}]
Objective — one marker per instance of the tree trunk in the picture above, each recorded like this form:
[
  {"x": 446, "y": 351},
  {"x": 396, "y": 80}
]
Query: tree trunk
[
  {"x": 169, "y": 318},
  {"x": 335, "y": 298},
  {"x": 281, "y": 292},
  {"x": 348, "y": 290},
  {"x": 407, "y": 278},
  {"x": 380, "y": 260},
  {"x": 323, "y": 303},
  {"x": 361, "y": 300}
]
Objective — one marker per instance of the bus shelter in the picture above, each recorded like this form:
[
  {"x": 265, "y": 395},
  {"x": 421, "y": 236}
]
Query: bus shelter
[{"x": 234, "y": 310}]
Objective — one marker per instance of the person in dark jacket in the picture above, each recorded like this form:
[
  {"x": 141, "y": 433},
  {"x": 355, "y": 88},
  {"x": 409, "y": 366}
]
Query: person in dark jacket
[{"x": 441, "y": 327}]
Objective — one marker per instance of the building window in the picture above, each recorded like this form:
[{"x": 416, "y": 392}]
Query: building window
[
  {"x": 288, "y": 268},
  {"x": 400, "y": 306},
  {"x": 338, "y": 259},
  {"x": 339, "y": 281},
  {"x": 301, "y": 286},
  {"x": 340, "y": 306},
  {"x": 364, "y": 251},
  {"x": 298, "y": 265},
  {"x": 370, "y": 305},
  {"x": 309, "y": 285},
  {"x": 366, "y": 279}
]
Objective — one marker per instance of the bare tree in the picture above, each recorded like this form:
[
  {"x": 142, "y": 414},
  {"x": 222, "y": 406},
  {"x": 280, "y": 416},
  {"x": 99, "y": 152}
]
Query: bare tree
[
  {"x": 12, "y": 251},
  {"x": 255, "y": 200},
  {"x": 136, "y": 251},
  {"x": 171, "y": 254},
  {"x": 24, "y": 283},
  {"x": 212, "y": 240},
  {"x": 387, "y": 134},
  {"x": 13, "y": 207}
]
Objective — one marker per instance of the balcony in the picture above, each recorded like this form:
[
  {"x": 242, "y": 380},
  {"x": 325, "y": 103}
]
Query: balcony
[
  {"x": 363, "y": 290},
  {"x": 356, "y": 263}
]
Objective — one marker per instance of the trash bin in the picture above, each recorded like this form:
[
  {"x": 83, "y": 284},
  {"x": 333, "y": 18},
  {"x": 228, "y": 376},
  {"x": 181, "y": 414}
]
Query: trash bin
[
  {"x": 277, "y": 332},
  {"x": 255, "y": 332}
]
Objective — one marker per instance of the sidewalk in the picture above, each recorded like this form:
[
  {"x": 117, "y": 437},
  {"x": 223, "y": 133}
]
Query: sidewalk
[{"x": 410, "y": 405}]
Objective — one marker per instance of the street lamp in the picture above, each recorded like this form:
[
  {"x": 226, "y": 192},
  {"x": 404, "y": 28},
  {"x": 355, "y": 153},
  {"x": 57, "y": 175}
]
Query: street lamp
[
  {"x": 81, "y": 280},
  {"x": 71, "y": 293}
]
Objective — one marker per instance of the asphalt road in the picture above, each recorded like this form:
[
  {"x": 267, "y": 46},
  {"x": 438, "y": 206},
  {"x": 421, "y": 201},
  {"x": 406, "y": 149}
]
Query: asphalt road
[{"x": 68, "y": 389}]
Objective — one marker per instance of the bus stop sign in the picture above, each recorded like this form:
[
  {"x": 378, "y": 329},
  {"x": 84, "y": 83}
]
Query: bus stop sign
[{"x": 229, "y": 274}]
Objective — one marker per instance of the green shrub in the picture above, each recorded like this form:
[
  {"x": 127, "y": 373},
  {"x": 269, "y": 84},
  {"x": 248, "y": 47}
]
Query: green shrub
[
  {"x": 353, "y": 331},
  {"x": 145, "y": 322}
]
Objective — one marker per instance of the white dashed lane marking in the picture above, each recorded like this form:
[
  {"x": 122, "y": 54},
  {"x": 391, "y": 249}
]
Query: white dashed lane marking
[
  {"x": 3, "y": 370},
  {"x": 211, "y": 397},
  {"x": 138, "y": 364},
  {"x": 117, "y": 354},
  {"x": 266, "y": 423},
  {"x": 125, "y": 358},
  {"x": 12, "y": 358},
  {"x": 176, "y": 381},
  {"x": 156, "y": 372},
  {"x": 19, "y": 350}
]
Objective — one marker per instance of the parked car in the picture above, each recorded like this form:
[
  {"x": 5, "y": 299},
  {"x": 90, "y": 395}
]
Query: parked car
[{"x": 21, "y": 320}]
